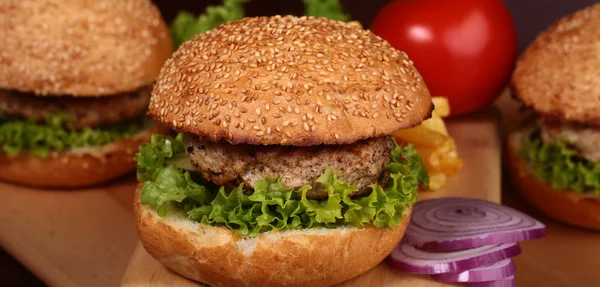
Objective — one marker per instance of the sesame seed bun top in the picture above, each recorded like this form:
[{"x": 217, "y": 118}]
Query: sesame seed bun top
[
  {"x": 289, "y": 81},
  {"x": 558, "y": 73},
  {"x": 81, "y": 47}
]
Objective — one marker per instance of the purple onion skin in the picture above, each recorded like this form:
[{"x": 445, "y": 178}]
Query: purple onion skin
[
  {"x": 479, "y": 276},
  {"x": 458, "y": 266},
  {"x": 453, "y": 223},
  {"x": 478, "y": 242}
]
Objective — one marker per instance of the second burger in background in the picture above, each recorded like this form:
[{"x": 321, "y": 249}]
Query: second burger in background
[
  {"x": 285, "y": 172},
  {"x": 75, "y": 81},
  {"x": 555, "y": 161}
]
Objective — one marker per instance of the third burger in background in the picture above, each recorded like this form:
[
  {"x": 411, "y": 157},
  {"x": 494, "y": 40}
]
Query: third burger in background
[{"x": 556, "y": 161}]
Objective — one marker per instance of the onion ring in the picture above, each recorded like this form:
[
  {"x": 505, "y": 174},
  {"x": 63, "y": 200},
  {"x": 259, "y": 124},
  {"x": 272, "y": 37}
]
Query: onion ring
[
  {"x": 496, "y": 271},
  {"x": 461, "y": 223},
  {"x": 407, "y": 258}
]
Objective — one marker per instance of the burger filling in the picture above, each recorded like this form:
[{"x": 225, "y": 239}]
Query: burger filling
[
  {"x": 40, "y": 125},
  {"x": 252, "y": 189},
  {"x": 567, "y": 156},
  {"x": 360, "y": 164}
]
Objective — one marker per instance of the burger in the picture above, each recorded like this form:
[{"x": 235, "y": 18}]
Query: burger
[
  {"x": 282, "y": 171},
  {"x": 75, "y": 82},
  {"x": 555, "y": 158}
]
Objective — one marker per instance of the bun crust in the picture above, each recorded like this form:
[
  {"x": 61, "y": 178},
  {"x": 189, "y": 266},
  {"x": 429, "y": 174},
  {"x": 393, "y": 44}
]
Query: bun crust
[
  {"x": 219, "y": 257},
  {"x": 557, "y": 75},
  {"x": 562, "y": 205},
  {"x": 75, "y": 169},
  {"x": 81, "y": 47},
  {"x": 289, "y": 81}
]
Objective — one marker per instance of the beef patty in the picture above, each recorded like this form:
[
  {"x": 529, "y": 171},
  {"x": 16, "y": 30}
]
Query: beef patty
[
  {"x": 83, "y": 112},
  {"x": 360, "y": 164},
  {"x": 584, "y": 139}
]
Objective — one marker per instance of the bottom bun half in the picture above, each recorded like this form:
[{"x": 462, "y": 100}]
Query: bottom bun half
[
  {"x": 76, "y": 168},
  {"x": 565, "y": 206},
  {"x": 219, "y": 257}
]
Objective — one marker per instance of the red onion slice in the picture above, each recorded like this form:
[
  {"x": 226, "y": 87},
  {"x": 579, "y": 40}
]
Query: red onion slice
[
  {"x": 407, "y": 258},
  {"x": 496, "y": 271},
  {"x": 461, "y": 223},
  {"x": 506, "y": 282}
]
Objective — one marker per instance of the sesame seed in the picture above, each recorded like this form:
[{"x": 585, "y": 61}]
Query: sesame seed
[{"x": 285, "y": 58}]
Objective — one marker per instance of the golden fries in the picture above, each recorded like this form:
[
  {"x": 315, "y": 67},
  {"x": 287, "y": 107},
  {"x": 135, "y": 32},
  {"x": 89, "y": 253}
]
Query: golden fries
[
  {"x": 433, "y": 143},
  {"x": 442, "y": 107}
]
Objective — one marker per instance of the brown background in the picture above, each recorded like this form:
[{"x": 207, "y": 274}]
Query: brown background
[{"x": 530, "y": 16}]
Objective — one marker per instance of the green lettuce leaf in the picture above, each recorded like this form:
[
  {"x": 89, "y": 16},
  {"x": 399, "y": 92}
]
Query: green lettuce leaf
[
  {"x": 186, "y": 25},
  {"x": 271, "y": 206},
  {"x": 558, "y": 165},
  {"x": 331, "y": 9},
  {"x": 40, "y": 139}
]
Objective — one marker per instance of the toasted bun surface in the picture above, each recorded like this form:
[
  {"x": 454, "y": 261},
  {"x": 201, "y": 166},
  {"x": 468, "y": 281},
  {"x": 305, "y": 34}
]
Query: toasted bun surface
[
  {"x": 219, "y": 257},
  {"x": 81, "y": 47},
  {"x": 289, "y": 81},
  {"x": 558, "y": 74},
  {"x": 77, "y": 168},
  {"x": 563, "y": 205}
]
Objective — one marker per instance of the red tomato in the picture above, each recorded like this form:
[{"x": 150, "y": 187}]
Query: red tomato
[{"x": 465, "y": 50}]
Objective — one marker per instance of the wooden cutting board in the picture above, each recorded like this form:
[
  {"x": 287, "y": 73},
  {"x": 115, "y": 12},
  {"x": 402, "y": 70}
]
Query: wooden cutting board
[
  {"x": 478, "y": 141},
  {"x": 70, "y": 238}
]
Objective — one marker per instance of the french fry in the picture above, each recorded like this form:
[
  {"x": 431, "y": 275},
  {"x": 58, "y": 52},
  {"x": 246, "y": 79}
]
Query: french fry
[
  {"x": 433, "y": 143},
  {"x": 435, "y": 123},
  {"x": 421, "y": 136},
  {"x": 437, "y": 180},
  {"x": 442, "y": 107}
]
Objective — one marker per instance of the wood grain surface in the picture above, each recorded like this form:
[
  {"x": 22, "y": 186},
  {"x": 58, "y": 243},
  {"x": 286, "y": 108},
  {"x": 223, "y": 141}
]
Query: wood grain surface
[
  {"x": 69, "y": 238},
  {"x": 478, "y": 141}
]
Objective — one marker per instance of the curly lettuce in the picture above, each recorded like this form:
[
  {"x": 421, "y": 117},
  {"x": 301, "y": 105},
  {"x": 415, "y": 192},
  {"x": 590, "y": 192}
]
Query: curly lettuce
[
  {"x": 558, "y": 165},
  {"x": 17, "y": 135},
  {"x": 167, "y": 181},
  {"x": 186, "y": 25},
  {"x": 331, "y": 9}
]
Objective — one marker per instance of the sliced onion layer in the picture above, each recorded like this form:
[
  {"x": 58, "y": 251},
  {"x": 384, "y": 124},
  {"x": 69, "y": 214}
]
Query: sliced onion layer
[
  {"x": 461, "y": 223},
  {"x": 406, "y": 257},
  {"x": 496, "y": 271},
  {"x": 506, "y": 282}
]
